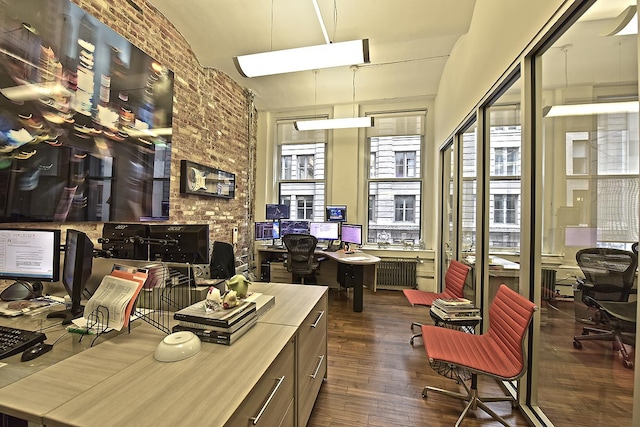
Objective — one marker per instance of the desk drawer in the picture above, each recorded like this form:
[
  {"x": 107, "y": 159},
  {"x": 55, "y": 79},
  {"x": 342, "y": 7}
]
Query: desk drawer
[
  {"x": 312, "y": 359},
  {"x": 279, "y": 273},
  {"x": 312, "y": 331},
  {"x": 271, "y": 398}
]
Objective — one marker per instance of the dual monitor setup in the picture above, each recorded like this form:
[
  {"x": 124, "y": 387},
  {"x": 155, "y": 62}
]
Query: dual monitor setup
[
  {"x": 32, "y": 256},
  {"x": 333, "y": 228}
]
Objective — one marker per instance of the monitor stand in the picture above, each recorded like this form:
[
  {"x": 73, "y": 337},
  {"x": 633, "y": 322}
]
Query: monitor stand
[{"x": 67, "y": 315}]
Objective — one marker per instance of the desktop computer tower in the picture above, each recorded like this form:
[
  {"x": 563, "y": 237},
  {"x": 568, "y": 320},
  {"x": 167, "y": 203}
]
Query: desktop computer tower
[{"x": 265, "y": 271}]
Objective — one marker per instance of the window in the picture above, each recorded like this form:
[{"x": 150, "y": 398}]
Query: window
[
  {"x": 372, "y": 209},
  {"x": 373, "y": 164},
  {"x": 505, "y": 145},
  {"x": 301, "y": 157},
  {"x": 305, "y": 207},
  {"x": 505, "y": 208},
  {"x": 305, "y": 166},
  {"x": 506, "y": 161},
  {"x": 395, "y": 145},
  {"x": 602, "y": 178},
  {"x": 405, "y": 207},
  {"x": 405, "y": 164},
  {"x": 285, "y": 165}
]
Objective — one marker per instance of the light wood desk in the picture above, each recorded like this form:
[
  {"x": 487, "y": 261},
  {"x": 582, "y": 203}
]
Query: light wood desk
[
  {"x": 119, "y": 382},
  {"x": 357, "y": 270}
]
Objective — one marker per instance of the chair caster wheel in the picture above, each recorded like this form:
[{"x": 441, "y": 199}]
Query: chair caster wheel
[
  {"x": 411, "y": 341},
  {"x": 424, "y": 394},
  {"x": 577, "y": 344},
  {"x": 627, "y": 364}
]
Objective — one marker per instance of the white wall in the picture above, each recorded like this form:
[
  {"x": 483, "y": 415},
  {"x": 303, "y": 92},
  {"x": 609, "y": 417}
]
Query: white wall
[{"x": 499, "y": 32}]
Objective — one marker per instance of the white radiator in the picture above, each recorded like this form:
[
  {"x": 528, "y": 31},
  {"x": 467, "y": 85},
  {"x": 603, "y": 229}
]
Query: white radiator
[{"x": 397, "y": 273}]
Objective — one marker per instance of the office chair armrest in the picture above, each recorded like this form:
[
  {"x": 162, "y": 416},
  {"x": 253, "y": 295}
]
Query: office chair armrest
[
  {"x": 590, "y": 302},
  {"x": 583, "y": 284}
]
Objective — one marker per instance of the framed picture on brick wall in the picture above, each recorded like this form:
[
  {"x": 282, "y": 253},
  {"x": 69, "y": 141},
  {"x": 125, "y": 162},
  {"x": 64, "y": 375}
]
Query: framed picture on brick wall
[{"x": 206, "y": 181}]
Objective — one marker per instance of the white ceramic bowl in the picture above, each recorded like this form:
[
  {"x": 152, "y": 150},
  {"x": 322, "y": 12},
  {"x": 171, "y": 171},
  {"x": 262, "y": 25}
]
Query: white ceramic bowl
[{"x": 177, "y": 346}]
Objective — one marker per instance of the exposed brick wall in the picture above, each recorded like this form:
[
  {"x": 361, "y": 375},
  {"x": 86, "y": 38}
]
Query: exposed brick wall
[{"x": 210, "y": 120}]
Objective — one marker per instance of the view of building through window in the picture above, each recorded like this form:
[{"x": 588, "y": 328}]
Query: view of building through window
[
  {"x": 301, "y": 183},
  {"x": 394, "y": 182}
]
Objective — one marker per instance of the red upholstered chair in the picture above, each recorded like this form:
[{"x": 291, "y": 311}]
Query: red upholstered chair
[
  {"x": 498, "y": 353},
  {"x": 453, "y": 288}
]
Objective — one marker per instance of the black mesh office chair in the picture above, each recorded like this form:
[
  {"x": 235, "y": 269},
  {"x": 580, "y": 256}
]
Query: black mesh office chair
[
  {"x": 609, "y": 276},
  {"x": 222, "y": 265},
  {"x": 301, "y": 261}
]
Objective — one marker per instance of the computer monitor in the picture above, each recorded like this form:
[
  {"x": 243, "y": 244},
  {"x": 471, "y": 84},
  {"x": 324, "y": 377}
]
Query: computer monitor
[
  {"x": 179, "y": 243},
  {"x": 30, "y": 255},
  {"x": 78, "y": 262},
  {"x": 336, "y": 213},
  {"x": 294, "y": 227},
  {"x": 325, "y": 230},
  {"x": 351, "y": 233},
  {"x": 267, "y": 230},
  {"x": 277, "y": 211},
  {"x": 125, "y": 241}
]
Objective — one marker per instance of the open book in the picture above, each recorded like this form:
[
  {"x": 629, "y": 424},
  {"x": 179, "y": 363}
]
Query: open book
[{"x": 111, "y": 305}]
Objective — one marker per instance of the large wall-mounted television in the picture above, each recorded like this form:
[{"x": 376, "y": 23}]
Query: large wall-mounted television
[
  {"x": 85, "y": 119},
  {"x": 30, "y": 254}
]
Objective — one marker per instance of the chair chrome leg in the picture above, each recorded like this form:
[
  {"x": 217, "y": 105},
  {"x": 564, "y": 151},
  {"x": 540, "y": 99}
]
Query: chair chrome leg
[
  {"x": 472, "y": 399},
  {"x": 414, "y": 336}
]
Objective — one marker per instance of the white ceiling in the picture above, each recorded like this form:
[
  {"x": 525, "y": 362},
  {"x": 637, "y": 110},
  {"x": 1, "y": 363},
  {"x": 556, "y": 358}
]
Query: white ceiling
[{"x": 410, "y": 41}]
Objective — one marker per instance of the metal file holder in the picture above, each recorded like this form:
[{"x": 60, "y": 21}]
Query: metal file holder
[{"x": 166, "y": 291}]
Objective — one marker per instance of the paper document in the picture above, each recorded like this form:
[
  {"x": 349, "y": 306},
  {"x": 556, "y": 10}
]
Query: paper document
[{"x": 110, "y": 304}]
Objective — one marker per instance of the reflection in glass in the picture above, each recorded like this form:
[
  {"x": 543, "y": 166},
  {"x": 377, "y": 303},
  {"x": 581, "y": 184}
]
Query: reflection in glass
[{"x": 590, "y": 198}]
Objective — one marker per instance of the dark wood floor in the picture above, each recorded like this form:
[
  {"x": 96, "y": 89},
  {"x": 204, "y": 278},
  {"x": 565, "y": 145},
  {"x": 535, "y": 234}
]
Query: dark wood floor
[
  {"x": 375, "y": 377},
  {"x": 586, "y": 387}
]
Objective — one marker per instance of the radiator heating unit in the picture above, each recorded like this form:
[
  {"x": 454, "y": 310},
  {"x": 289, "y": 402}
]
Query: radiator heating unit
[{"x": 397, "y": 274}]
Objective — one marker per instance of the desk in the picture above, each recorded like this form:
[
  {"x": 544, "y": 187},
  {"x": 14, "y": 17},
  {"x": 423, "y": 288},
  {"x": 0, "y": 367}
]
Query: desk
[
  {"x": 118, "y": 382},
  {"x": 357, "y": 269},
  {"x": 352, "y": 271},
  {"x": 501, "y": 271}
]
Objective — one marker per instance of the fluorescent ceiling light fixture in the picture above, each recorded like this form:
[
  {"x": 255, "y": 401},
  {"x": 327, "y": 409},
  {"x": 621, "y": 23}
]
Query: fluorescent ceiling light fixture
[
  {"x": 590, "y": 109},
  {"x": 346, "y": 123},
  {"x": 626, "y": 23},
  {"x": 303, "y": 58}
]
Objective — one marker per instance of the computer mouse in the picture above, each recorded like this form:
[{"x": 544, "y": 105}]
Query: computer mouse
[{"x": 34, "y": 351}]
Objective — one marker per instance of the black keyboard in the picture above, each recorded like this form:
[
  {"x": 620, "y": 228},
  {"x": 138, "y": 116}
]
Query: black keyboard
[{"x": 14, "y": 341}]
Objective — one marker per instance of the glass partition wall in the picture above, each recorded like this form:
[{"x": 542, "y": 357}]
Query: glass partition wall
[
  {"x": 589, "y": 199},
  {"x": 448, "y": 206},
  {"x": 527, "y": 202}
]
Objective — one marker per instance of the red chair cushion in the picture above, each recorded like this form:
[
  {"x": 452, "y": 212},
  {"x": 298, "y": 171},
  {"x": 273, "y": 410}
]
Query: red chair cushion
[
  {"x": 454, "y": 286},
  {"x": 418, "y": 297},
  {"x": 499, "y": 351}
]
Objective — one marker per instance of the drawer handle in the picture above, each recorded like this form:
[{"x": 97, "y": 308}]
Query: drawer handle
[
  {"x": 315, "y": 325},
  {"x": 264, "y": 407},
  {"x": 315, "y": 374}
]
